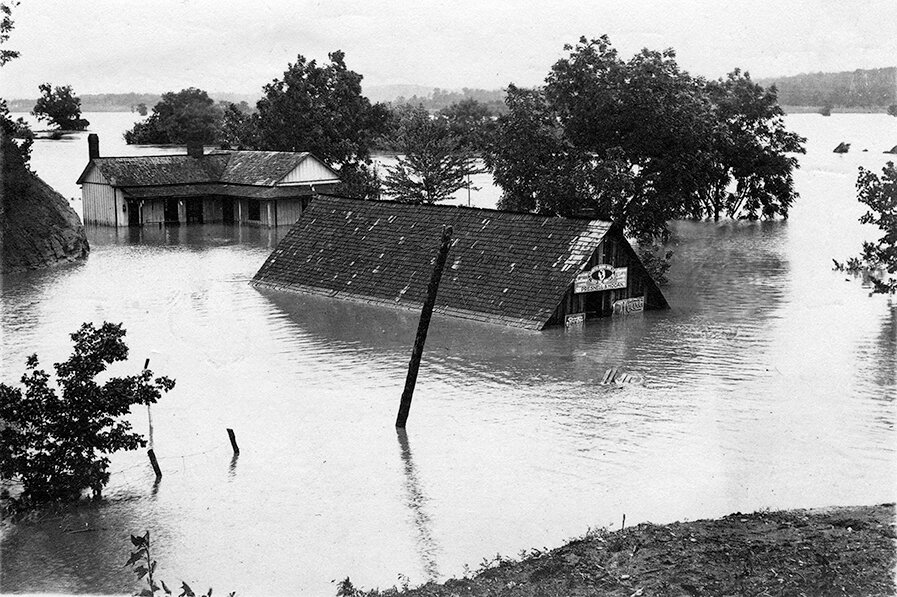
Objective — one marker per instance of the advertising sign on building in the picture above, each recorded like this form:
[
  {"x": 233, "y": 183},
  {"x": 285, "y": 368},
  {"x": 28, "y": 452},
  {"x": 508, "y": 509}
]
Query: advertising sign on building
[
  {"x": 630, "y": 305},
  {"x": 601, "y": 277},
  {"x": 575, "y": 320}
]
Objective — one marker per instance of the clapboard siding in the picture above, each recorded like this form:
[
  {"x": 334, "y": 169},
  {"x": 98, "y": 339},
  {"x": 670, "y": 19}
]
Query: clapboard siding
[{"x": 309, "y": 170}]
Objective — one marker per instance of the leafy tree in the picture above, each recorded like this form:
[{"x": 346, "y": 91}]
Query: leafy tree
[
  {"x": 186, "y": 116},
  {"x": 320, "y": 108},
  {"x": 433, "y": 163},
  {"x": 748, "y": 172},
  {"x": 471, "y": 122},
  {"x": 56, "y": 444},
  {"x": 892, "y": 109},
  {"x": 61, "y": 107},
  {"x": 141, "y": 109},
  {"x": 639, "y": 142},
  {"x": 10, "y": 128},
  {"x": 238, "y": 127},
  {"x": 6, "y": 25},
  {"x": 879, "y": 194}
]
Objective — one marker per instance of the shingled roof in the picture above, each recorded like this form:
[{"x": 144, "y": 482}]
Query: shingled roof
[
  {"x": 252, "y": 168},
  {"x": 503, "y": 267}
]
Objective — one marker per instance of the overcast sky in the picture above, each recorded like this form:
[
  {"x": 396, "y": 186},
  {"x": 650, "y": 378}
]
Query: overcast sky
[{"x": 110, "y": 46}]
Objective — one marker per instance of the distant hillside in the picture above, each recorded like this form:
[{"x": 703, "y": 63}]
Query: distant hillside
[
  {"x": 873, "y": 88},
  {"x": 388, "y": 93}
]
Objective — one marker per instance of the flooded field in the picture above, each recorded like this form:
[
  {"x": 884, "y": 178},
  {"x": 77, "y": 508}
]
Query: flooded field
[{"x": 771, "y": 383}]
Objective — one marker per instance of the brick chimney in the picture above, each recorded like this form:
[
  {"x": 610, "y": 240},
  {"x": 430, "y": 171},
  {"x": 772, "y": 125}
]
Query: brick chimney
[
  {"x": 93, "y": 146},
  {"x": 194, "y": 149}
]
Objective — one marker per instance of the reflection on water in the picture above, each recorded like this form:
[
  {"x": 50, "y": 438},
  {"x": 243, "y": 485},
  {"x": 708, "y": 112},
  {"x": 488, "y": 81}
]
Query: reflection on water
[
  {"x": 417, "y": 502},
  {"x": 770, "y": 383}
]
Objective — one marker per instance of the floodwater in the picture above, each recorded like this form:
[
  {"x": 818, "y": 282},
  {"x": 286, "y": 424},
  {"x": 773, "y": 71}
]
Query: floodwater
[{"x": 771, "y": 383}]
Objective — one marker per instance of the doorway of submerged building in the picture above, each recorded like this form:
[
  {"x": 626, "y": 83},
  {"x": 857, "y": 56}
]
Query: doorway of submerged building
[
  {"x": 597, "y": 304},
  {"x": 227, "y": 210},
  {"x": 133, "y": 207},
  {"x": 171, "y": 211},
  {"x": 194, "y": 211}
]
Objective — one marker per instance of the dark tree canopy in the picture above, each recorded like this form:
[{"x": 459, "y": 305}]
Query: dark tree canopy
[
  {"x": 471, "y": 122},
  {"x": 433, "y": 163},
  {"x": 56, "y": 443},
  {"x": 6, "y": 25},
  {"x": 60, "y": 107},
  {"x": 316, "y": 108},
  {"x": 319, "y": 108},
  {"x": 9, "y": 128},
  {"x": 879, "y": 194},
  {"x": 186, "y": 116},
  {"x": 749, "y": 146},
  {"x": 640, "y": 142}
]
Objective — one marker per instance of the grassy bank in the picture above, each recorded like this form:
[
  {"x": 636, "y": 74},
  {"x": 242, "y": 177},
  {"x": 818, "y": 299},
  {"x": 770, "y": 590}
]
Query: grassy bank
[{"x": 836, "y": 551}]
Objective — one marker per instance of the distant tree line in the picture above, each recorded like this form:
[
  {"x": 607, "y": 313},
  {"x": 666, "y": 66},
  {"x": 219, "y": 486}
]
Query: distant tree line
[
  {"x": 871, "y": 88},
  {"x": 441, "y": 99}
]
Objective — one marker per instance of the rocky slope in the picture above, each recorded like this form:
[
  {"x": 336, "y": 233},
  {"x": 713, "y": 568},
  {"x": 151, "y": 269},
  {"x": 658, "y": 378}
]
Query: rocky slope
[{"x": 38, "y": 228}]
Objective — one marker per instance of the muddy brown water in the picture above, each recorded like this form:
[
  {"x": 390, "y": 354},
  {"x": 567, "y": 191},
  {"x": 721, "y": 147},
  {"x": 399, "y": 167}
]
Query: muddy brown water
[{"x": 769, "y": 384}]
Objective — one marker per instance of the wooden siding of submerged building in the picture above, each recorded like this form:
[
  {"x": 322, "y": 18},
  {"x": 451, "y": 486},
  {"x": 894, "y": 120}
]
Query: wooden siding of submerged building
[
  {"x": 613, "y": 250},
  {"x": 264, "y": 189},
  {"x": 212, "y": 209}
]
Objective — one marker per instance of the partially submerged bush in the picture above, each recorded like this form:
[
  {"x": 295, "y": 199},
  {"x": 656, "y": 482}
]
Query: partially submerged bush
[{"x": 56, "y": 444}]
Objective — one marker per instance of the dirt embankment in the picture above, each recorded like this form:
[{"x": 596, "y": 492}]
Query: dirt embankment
[
  {"x": 38, "y": 227},
  {"x": 838, "y": 551}
]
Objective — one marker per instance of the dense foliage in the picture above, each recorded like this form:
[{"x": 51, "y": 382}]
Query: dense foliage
[
  {"x": 6, "y": 25},
  {"x": 879, "y": 194},
  {"x": 316, "y": 108},
  {"x": 61, "y": 107},
  {"x": 471, "y": 122},
  {"x": 749, "y": 146},
  {"x": 641, "y": 142},
  {"x": 432, "y": 163},
  {"x": 10, "y": 128},
  {"x": 186, "y": 116},
  {"x": 56, "y": 443},
  {"x": 852, "y": 89}
]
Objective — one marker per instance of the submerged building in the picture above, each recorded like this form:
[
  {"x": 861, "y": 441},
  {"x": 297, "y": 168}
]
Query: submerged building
[
  {"x": 516, "y": 269},
  {"x": 263, "y": 188}
]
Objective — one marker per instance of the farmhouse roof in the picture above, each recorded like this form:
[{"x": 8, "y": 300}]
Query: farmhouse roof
[
  {"x": 503, "y": 267},
  {"x": 252, "y": 168}
]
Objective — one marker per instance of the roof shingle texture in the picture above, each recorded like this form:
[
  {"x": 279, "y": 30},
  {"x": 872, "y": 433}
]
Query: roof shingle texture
[
  {"x": 503, "y": 267},
  {"x": 256, "y": 168}
]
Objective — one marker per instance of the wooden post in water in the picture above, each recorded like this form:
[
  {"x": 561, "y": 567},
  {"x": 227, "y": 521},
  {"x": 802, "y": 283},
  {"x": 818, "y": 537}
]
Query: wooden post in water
[
  {"x": 233, "y": 441},
  {"x": 155, "y": 463},
  {"x": 149, "y": 412},
  {"x": 419, "y": 340}
]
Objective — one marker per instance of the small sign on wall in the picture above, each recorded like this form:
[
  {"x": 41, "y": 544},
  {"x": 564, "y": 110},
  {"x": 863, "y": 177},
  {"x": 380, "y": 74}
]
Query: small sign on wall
[
  {"x": 575, "y": 320},
  {"x": 601, "y": 277},
  {"x": 630, "y": 305}
]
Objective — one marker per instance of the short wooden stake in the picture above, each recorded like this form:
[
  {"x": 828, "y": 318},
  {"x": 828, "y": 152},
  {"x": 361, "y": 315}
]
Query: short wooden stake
[
  {"x": 422, "y": 328},
  {"x": 155, "y": 463},
  {"x": 233, "y": 441}
]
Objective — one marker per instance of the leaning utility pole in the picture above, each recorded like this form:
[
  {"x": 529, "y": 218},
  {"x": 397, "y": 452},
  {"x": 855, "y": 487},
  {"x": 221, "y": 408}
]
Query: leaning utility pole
[{"x": 425, "y": 315}]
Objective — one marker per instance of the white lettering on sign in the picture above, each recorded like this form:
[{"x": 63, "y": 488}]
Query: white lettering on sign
[
  {"x": 630, "y": 305},
  {"x": 575, "y": 320},
  {"x": 601, "y": 277}
]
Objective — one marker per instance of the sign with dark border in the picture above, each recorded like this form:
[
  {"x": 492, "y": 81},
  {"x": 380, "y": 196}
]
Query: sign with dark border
[
  {"x": 601, "y": 277},
  {"x": 575, "y": 320},
  {"x": 630, "y": 305}
]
